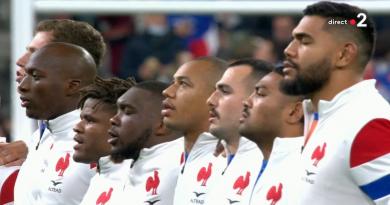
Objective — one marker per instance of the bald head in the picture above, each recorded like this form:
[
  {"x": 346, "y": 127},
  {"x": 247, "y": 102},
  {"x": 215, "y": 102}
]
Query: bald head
[
  {"x": 55, "y": 75},
  {"x": 212, "y": 69},
  {"x": 68, "y": 60}
]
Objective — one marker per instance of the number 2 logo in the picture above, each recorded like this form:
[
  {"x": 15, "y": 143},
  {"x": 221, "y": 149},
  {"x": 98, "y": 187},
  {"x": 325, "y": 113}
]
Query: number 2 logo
[{"x": 362, "y": 17}]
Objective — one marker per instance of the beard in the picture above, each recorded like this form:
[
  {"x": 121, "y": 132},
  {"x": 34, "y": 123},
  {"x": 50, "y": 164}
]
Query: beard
[
  {"x": 132, "y": 150},
  {"x": 314, "y": 78}
]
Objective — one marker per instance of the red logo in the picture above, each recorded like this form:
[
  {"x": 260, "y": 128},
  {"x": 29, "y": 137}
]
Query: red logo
[
  {"x": 182, "y": 158},
  {"x": 275, "y": 195},
  {"x": 152, "y": 183},
  {"x": 352, "y": 22},
  {"x": 62, "y": 164},
  {"x": 104, "y": 197},
  {"x": 204, "y": 174},
  {"x": 242, "y": 183},
  {"x": 318, "y": 154},
  {"x": 93, "y": 165}
]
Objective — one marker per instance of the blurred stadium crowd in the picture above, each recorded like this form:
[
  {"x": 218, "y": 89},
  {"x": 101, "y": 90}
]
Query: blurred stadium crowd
[{"x": 151, "y": 47}]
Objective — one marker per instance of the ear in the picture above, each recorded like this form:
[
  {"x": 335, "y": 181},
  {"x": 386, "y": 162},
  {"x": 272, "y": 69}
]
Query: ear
[
  {"x": 73, "y": 87},
  {"x": 347, "y": 55},
  {"x": 295, "y": 113}
]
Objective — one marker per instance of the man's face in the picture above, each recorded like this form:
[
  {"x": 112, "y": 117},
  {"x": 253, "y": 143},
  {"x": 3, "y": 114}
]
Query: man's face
[
  {"x": 92, "y": 131},
  {"x": 263, "y": 110},
  {"x": 310, "y": 57},
  {"x": 185, "y": 104},
  {"x": 43, "y": 90},
  {"x": 40, "y": 39},
  {"x": 132, "y": 126},
  {"x": 226, "y": 102}
]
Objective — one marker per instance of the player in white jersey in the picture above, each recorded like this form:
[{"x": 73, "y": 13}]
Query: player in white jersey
[
  {"x": 50, "y": 92},
  {"x": 137, "y": 132},
  {"x": 185, "y": 110},
  {"x": 244, "y": 158},
  {"x": 274, "y": 121},
  {"x": 98, "y": 105},
  {"x": 52, "y": 30},
  {"x": 346, "y": 154}
]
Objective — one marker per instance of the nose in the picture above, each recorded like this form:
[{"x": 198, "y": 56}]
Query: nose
[
  {"x": 248, "y": 103},
  {"x": 21, "y": 63},
  {"x": 24, "y": 85},
  {"x": 290, "y": 50},
  {"x": 212, "y": 100},
  {"x": 78, "y": 128},
  {"x": 170, "y": 91},
  {"x": 115, "y": 120}
]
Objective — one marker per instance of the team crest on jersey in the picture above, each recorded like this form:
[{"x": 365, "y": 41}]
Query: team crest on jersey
[
  {"x": 318, "y": 154},
  {"x": 242, "y": 183},
  {"x": 104, "y": 197},
  {"x": 274, "y": 194},
  {"x": 152, "y": 183},
  {"x": 62, "y": 164},
  {"x": 204, "y": 174}
]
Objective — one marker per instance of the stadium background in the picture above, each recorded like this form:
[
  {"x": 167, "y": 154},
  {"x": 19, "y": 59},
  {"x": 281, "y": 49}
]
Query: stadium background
[{"x": 152, "y": 40}]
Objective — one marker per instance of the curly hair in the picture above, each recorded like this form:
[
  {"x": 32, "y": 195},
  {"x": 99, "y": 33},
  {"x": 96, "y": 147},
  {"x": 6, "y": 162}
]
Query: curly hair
[
  {"x": 105, "y": 90},
  {"x": 75, "y": 32}
]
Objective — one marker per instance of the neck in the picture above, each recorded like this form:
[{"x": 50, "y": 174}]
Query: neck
[
  {"x": 339, "y": 81},
  {"x": 294, "y": 130},
  {"x": 68, "y": 107},
  {"x": 156, "y": 139},
  {"x": 265, "y": 145},
  {"x": 191, "y": 135},
  {"x": 232, "y": 144},
  {"x": 189, "y": 140},
  {"x": 266, "y": 150}
]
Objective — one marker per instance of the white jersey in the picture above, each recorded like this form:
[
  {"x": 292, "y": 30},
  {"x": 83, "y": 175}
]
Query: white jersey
[
  {"x": 152, "y": 178},
  {"x": 7, "y": 182},
  {"x": 278, "y": 183},
  {"x": 347, "y": 158},
  {"x": 49, "y": 175},
  {"x": 199, "y": 172},
  {"x": 236, "y": 181},
  {"x": 108, "y": 183}
]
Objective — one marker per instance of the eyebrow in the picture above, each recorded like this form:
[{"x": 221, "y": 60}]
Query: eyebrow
[
  {"x": 31, "y": 49},
  {"x": 301, "y": 35},
  {"x": 222, "y": 86},
  {"x": 184, "y": 78},
  {"x": 31, "y": 69},
  {"x": 258, "y": 87}
]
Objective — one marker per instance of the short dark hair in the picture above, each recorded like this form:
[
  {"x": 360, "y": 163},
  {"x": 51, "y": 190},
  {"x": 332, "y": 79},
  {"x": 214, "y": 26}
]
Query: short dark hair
[
  {"x": 364, "y": 37},
  {"x": 155, "y": 87},
  {"x": 105, "y": 90},
  {"x": 75, "y": 32},
  {"x": 260, "y": 67}
]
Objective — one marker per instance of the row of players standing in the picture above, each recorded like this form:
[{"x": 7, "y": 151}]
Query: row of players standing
[{"x": 341, "y": 159}]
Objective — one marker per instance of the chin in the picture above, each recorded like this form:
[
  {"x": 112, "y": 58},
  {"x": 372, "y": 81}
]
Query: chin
[
  {"x": 32, "y": 115},
  {"x": 171, "y": 124},
  {"x": 77, "y": 158}
]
